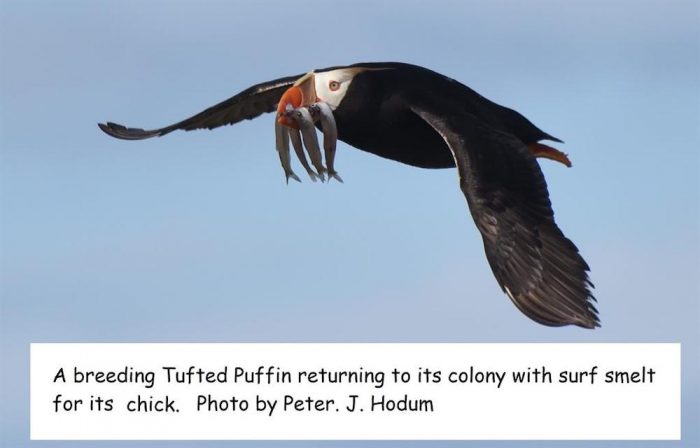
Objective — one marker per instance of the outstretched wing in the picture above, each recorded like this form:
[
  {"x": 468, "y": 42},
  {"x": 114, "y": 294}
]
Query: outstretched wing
[
  {"x": 536, "y": 265},
  {"x": 248, "y": 104}
]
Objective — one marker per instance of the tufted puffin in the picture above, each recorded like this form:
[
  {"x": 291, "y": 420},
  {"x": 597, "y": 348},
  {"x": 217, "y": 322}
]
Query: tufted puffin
[{"x": 416, "y": 116}]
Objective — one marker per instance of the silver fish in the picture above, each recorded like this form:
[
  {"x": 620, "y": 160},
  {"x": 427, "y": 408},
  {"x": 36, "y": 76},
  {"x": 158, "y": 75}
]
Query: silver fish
[
  {"x": 308, "y": 132},
  {"x": 330, "y": 138},
  {"x": 282, "y": 143},
  {"x": 295, "y": 136}
]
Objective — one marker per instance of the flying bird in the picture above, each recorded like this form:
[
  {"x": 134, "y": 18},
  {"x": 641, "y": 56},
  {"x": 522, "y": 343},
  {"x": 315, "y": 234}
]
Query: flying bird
[{"x": 416, "y": 116}]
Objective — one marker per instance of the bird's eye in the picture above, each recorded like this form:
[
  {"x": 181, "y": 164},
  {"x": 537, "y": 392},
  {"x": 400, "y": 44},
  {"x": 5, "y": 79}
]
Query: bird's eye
[{"x": 334, "y": 85}]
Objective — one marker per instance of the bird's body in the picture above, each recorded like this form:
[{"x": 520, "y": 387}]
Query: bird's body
[
  {"x": 389, "y": 128},
  {"x": 421, "y": 118}
]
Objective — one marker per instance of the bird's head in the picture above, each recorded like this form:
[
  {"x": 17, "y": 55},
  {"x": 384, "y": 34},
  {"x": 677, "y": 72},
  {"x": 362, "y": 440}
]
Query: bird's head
[{"x": 328, "y": 86}]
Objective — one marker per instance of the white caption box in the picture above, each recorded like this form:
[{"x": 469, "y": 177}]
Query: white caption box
[{"x": 336, "y": 391}]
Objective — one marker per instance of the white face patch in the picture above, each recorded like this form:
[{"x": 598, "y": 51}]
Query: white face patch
[{"x": 332, "y": 86}]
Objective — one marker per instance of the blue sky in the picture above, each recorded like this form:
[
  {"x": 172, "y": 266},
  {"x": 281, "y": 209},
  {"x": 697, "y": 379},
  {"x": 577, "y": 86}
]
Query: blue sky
[{"x": 196, "y": 237}]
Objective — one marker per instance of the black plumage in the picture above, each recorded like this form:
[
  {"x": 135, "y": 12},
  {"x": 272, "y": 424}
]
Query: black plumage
[
  {"x": 246, "y": 105},
  {"x": 422, "y": 118}
]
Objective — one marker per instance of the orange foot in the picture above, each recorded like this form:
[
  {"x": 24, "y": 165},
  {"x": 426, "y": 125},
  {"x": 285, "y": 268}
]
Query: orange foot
[{"x": 547, "y": 152}]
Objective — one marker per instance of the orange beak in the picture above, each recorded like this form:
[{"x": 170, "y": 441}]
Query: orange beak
[
  {"x": 292, "y": 97},
  {"x": 302, "y": 93}
]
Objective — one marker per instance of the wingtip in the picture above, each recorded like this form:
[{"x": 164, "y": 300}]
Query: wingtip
[
  {"x": 104, "y": 128},
  {"x": 122, "y": 132},
  {"x": 590, "y": 325},
  {"x": 588, "y": 322},
  {"x": 113, "y": 129}
]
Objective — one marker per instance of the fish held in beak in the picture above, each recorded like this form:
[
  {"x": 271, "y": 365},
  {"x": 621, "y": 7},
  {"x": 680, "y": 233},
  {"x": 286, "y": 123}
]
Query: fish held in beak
[
  {"x": 297, "y": 112},
  {"x": 282, "y": 142},
  {"x": 308, "y": 132},
  {"x": 302, "y": 93}
]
